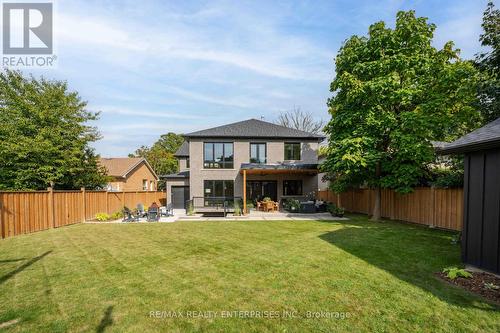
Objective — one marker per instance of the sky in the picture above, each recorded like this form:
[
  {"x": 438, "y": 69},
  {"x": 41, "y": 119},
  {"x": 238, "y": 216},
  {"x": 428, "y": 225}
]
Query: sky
[{"x": 153, "y": 67}]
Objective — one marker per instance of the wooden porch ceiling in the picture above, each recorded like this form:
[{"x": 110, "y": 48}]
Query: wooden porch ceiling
[{"x": 262, "y": 172}]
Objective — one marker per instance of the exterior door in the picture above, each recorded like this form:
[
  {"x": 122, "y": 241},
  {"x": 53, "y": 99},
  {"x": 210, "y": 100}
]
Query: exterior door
[{"x": 179, "y": 196}]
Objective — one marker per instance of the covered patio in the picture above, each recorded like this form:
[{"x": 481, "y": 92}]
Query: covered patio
[{"x": 278, "y": 181}]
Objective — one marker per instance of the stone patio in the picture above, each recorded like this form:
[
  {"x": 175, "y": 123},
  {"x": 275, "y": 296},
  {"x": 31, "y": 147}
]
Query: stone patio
[{"x": 181, "y": 216}]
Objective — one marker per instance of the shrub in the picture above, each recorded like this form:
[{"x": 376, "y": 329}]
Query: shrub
[
  {"x": 331, "y": 208},
  {"x": 266, "y": 199},
  {"x": 340, "y": 211},
  {"x": 446, "y": 178},
  {"x": 116, "y": 215},
  {"x": 293, "y": 205},
  {"x": 190, "y": 209},
  {"x": 237, "y": 209},
  {"x": 454, "y": 272},
  {"x": 250, "y": 204},
  {"x": 102, "y": 217}
]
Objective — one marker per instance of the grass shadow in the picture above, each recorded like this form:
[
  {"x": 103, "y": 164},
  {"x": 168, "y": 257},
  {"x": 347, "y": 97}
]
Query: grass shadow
[
  {"x": 107, "y": 320},
  {"x": 21, "y": 268},
  {"x": 410, "y": 253},
  {"x": 11, "y": 260}
]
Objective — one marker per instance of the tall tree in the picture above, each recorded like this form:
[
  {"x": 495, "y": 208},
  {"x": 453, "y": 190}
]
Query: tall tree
[
  {"x": 45, "y": 137},
  {"x": 161, "y": 154},
  {"x": 394, "y": 93},
  {"x": 489, "y": 64},
  {"x": 300, "y": 120}
]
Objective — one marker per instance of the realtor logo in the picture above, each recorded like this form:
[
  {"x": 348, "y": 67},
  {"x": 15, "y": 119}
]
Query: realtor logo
[{"x": 27, "y": 28}]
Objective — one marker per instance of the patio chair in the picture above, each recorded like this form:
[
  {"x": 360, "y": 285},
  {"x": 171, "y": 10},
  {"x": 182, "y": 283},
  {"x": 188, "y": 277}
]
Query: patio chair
[
  {"x": 170, "y": 210},
  {"x": 153, "y": 215},
  {"x": 140, "y": 210},
  {"x": 276, "y": 206},
  {"x": 128, "y": 216},
  {"x": 259, "y": 206},
  {"x": 166, "y": 210},
  {"x": 269, "y": 206}
]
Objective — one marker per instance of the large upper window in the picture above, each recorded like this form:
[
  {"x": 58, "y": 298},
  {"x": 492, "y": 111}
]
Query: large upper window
[
  {"x": 218, "y": 155},
  {"x": 292, "y": 187},
  {"x": 258, "y": 153},
  {"x": 292, "y": 151}
]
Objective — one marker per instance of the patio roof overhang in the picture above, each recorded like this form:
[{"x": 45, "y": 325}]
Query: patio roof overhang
[{"x": 279, "y": 168}]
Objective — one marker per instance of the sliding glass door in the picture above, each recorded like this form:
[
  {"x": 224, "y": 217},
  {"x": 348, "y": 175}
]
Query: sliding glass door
[{"x": 258, "y": 190}]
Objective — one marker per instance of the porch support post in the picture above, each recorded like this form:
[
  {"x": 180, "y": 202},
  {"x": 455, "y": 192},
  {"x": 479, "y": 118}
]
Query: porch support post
[{"x": 244, "y": 191}]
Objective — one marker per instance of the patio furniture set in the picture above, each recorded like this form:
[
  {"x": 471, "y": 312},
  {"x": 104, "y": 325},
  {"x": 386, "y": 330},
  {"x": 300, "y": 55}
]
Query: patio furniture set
[
  {"x": 268, "y": 206},
  {"x": 153, "y": 213}
]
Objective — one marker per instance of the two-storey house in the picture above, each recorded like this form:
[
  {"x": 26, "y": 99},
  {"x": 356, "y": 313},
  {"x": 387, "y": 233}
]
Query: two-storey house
[{"x": 251, "y": 159}]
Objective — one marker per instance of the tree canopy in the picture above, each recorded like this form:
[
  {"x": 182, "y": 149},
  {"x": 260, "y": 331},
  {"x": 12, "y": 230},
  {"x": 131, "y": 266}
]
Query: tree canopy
[
  {"x": 45, "y": 136},
  {"x": 393, "y": 94},
  {"x": 161, "y": 154},
  {"x": 489, "y": 64}
]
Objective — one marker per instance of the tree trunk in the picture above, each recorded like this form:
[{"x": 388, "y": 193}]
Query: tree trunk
[
  {"x": 378, "y": 195},
  {"x": 376, "y": 207}
]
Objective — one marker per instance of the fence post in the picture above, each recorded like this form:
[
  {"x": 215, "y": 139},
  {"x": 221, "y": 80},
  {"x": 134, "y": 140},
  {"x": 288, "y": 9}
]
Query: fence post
[
  {"x": 123, "y": 199},
  {"x": 51, "y": 206},
  {"x": 107, "y": 202},
  {"x": 84, "y": 205},
  {"x": 2, "y": 230},
  {"x": 433, "y": 198}
]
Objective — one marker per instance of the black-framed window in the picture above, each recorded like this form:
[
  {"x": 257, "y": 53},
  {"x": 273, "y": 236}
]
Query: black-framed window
[
  {"x": 292, "y": 151},
  {"x": 218, "y": 155},
  {"x": 187, "y": 163},
  {"x": 258, "y": 153},
  {"x": 292, "y": 187},
  {"x": 218, "y": 188}
]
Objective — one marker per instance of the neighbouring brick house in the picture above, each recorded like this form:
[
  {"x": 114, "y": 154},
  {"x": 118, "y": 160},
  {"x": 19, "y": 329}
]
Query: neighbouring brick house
[
  {"x": 250, "y": 159},
  {"x": 130, "y": 174}
]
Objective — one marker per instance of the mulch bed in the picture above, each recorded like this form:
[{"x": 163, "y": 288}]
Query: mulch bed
[{"x": 476, "y": 284}]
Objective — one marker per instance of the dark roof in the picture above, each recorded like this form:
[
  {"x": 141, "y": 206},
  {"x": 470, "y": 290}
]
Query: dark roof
[
  {"x": 183, "y": 150},
  {"x": 279, "y": 166},
  {"x": 486, "y": 137},
  {"x": 253, "y": 128},
  {"x": 179, "y": 175}
]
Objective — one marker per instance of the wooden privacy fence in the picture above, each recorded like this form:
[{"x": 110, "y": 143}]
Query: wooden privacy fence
[
  {"x": 25, "y": 212},
  {"x": 442, "y": 208}
]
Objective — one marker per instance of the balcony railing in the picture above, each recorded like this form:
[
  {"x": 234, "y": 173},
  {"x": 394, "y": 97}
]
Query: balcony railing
[{"x": 221, "y": 205}]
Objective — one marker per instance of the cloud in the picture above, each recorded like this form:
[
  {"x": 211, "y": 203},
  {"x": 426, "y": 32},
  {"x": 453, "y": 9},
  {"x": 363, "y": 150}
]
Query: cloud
[
  {"x": 142, "y": 113},
  {"x": 275, "y": 55}
]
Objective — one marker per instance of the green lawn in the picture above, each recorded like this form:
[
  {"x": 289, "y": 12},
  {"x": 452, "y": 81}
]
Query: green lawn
[{"x": 109, "y": 277}]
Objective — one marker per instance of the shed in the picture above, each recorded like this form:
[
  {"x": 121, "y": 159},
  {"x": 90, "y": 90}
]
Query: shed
[{"x": 481, "y": 225}]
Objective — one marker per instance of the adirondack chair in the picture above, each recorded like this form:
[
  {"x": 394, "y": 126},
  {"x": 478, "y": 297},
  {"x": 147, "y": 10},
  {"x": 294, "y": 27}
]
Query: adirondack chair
[
  {"x": 128, "y": 216},
  {"x": 153, "y": 214},
  {"x": 140, "y": 210}
]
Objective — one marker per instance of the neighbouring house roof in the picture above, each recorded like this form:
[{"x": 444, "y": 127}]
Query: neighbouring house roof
[
  {"x": 486, "y": 137},
  {"x": 179, "y": 175},
  {"x": 183, "y": 150},
  {"x": 120, "y": 167},
  {"x": 253, "y": 128}
]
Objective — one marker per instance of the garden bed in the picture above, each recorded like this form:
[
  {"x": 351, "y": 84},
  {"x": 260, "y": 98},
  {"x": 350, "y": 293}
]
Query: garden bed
[{"x": 477, "y": 284}]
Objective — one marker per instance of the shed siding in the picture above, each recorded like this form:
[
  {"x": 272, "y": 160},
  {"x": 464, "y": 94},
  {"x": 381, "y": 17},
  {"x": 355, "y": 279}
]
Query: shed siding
[{"x": 482, "y": 210}]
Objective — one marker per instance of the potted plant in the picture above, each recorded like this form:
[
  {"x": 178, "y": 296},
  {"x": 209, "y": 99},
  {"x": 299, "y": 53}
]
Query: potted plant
[{"x": 266, "y": 199}]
